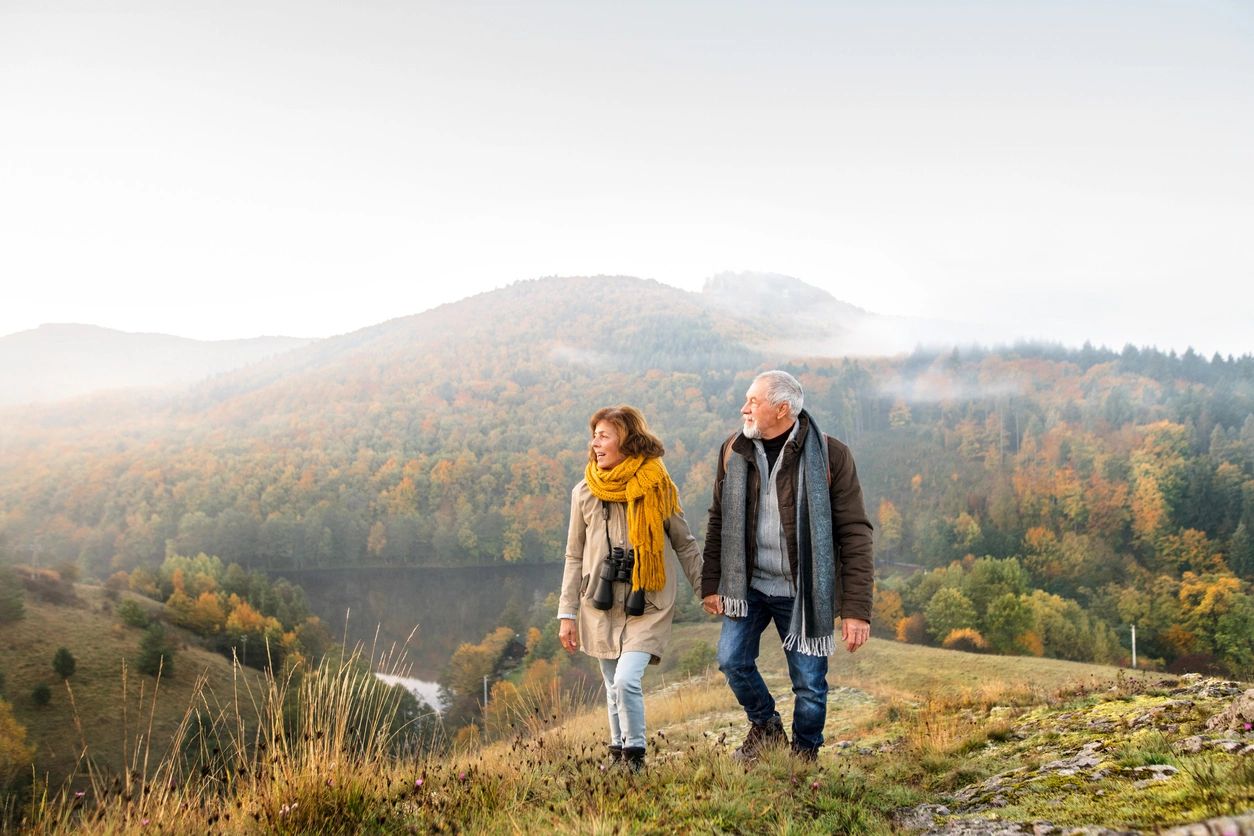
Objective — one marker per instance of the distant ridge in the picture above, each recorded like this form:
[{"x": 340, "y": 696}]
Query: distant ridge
[{"x": 61, "y": 360}]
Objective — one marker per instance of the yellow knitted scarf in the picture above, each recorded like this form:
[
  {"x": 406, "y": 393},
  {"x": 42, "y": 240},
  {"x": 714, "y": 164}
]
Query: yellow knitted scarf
[{"x": 651, "y": 499}]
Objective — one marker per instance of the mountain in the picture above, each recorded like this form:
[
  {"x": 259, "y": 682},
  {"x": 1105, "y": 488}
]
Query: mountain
[
  {"x": 1120, "y": 484},
  {"x": 802, "y": 320},
  {"x": 53, "y": 362}
]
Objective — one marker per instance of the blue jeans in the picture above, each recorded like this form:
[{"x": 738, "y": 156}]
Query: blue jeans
[
  {"x": 624, "y": 697},
  {"x": 738, "y": 645}
]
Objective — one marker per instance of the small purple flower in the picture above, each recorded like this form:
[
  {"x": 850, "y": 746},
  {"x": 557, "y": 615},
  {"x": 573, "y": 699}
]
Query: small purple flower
[
  {"x": 461, "y": 776},
  {"x": 144, "y": 823},
  {"x": 80, "y": 794},
  {"x": 417, "y": 783},
  {"x": 814, "y": 785},
  {"x": 1249, "y": 726},
  {"x": 330, "y": 782}
]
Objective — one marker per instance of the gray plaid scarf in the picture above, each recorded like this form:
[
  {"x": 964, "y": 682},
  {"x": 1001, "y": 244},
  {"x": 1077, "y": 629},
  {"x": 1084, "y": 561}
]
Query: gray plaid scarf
[{"x": 810, "y": 629}]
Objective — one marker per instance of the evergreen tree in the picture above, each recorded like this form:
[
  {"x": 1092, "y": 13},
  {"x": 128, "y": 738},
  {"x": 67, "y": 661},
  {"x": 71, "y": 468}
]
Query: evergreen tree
[
  {"x": 64, "y": 663},
  {"x": 155, "y": 653},
  {"x": 1241, "y": 553},
  {"x": 41, "y": 694}
]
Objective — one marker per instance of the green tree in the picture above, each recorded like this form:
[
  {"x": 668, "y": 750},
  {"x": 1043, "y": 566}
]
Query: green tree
[
  {"x": 948, "y": 610},
  {"x": 155, "y": 653},
  {"x": 41, "y": 694},
  {"x": 132, "y": 614},
  {"x": 64, "y": 663},
  {"x": 1007, "y": 619}
]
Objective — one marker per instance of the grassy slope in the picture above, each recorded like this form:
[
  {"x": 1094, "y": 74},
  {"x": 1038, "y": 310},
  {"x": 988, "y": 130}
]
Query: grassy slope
[
  {"x": 99, "y": 717},
  {"x": 919, "y": 725}
]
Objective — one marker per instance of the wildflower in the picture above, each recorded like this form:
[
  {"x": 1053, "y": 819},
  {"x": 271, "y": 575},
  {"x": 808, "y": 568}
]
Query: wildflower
[
  {"x": 80, "y": 794},
  {"x": 814, "y": 785},
  {"x": 144, "y": 823},
  {"x": 417, "y": 783},
  {"x": 1249, "y": 726},
  {"x": 461, "y": 776},
  {"x": 330, "y": 782}
]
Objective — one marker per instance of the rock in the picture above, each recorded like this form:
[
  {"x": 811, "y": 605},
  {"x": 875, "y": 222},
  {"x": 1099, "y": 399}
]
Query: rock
[
  {"x": 1151, "y": 774},
  {"x": 1169, "y": 710},
  {"x": 1191, "y": 745},
  {"x": 1086, "y": 758},
  {"x": 1242, "y": 825},
  {"x": 919, "y": 818},
  {"x": 1238, "y": 716}
]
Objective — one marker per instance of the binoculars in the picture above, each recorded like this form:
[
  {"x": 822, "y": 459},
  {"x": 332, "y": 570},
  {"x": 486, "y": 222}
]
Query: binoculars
[{"x": 617, "y": 569}]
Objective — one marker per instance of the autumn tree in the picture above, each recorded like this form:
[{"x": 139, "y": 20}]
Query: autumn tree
[{"x": 15, "y": 754}]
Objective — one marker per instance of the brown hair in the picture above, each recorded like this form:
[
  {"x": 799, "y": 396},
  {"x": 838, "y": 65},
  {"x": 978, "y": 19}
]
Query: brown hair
[{"x": 635, "y": 437}]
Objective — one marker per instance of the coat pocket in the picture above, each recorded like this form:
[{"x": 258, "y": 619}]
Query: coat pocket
[{"x": 583, "y": 586}]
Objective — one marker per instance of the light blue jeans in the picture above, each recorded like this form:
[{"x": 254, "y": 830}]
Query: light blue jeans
[{"x": 624, "y": 697}]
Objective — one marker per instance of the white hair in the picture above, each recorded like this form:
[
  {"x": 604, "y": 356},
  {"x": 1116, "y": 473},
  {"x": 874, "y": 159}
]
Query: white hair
[{"x": 781, "y": 387}]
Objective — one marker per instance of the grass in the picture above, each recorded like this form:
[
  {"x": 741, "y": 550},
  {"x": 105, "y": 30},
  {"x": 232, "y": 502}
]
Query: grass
[
  {"x": 907, "y": 725},
  {"x": 93, "y": 712}
]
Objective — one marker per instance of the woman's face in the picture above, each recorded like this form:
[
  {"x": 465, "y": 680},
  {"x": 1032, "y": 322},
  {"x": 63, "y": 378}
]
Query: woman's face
[{"x": 605, "y": 443}]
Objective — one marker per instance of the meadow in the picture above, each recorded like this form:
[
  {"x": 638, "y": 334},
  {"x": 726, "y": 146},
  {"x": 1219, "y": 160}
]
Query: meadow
[{"x": 917, "y": 737}]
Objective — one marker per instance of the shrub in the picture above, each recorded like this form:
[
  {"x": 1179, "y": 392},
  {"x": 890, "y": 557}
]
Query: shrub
[
  {"x": 912, "y": 629},
  {"x": 966, "y": 639},
  {"x": 132, "y": 614},
  {"x": 41, "y": 694},
  {"x": 698, "y": 660}
]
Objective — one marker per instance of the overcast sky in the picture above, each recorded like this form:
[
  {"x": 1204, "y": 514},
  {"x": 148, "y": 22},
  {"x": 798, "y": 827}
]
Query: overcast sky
[{"x": 229, "y": 169}]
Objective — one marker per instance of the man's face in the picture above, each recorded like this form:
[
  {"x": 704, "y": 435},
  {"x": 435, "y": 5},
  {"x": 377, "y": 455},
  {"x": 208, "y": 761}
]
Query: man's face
[{"x": 762, "y": 420}]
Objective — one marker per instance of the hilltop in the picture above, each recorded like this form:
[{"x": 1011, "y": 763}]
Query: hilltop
[{"x": 58, "y": 361}]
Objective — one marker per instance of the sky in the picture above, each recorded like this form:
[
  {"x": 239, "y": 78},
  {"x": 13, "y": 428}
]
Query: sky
[{"x": 1066, "y": 170}]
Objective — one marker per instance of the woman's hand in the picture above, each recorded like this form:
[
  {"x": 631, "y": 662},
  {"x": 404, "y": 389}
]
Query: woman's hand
[{"x": 568, "y": 635}]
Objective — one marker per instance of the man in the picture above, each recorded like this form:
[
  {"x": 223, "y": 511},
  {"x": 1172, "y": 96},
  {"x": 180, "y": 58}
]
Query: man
[{"x": 788, "y": 540}]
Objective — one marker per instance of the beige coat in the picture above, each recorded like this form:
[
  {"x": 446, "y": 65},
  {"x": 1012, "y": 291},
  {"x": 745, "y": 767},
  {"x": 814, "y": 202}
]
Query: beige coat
[{"x": 605, "y": 634}]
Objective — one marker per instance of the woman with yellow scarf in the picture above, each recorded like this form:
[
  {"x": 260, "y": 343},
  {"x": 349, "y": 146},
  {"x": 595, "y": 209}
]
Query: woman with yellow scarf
[{"x": 628, "y": 540}]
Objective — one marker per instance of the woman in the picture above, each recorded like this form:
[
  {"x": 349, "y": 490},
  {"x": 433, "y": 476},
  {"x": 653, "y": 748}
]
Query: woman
[{"x": 625, "y": 521}]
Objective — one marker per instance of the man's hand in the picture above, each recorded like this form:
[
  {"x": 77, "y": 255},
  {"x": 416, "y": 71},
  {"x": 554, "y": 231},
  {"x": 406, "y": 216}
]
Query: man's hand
[
  {"x": 713, "y": 604},
  {"x": 854, "y": 632},
  {"x": 568, "y": 635}
]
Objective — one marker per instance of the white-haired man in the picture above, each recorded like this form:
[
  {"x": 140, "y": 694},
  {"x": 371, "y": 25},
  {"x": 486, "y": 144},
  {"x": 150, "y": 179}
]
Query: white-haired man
[{"x": 788, "y": 541}]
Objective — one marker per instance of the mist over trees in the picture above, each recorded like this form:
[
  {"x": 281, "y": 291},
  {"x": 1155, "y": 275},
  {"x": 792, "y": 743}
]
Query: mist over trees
[{"x": 1120, "y": 484}]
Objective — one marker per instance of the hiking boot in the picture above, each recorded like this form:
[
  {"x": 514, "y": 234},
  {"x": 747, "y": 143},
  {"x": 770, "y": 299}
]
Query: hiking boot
[
  {"x": 616, "y": 755},
  {"x": 805, "y": 753},
  {"x": 633, "y": 756},
  {"x": 760, "y": 738}
]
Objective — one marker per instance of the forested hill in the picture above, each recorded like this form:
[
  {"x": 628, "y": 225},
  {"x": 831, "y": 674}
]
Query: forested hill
[{"x": 1121, "y": 481}]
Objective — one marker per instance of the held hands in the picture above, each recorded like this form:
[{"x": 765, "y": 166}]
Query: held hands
[
  {"x": 854, "y": 632},
  {"x": 712, "y": 604},
  {"x": 568, "y": 635}
]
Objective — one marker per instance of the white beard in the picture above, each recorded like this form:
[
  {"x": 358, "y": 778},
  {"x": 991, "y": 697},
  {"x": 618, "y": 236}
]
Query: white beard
[{"x": 751, "y": 430}]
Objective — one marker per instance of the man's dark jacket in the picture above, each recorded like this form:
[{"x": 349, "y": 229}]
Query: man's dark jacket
[{"x": 851, "y": 530}]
